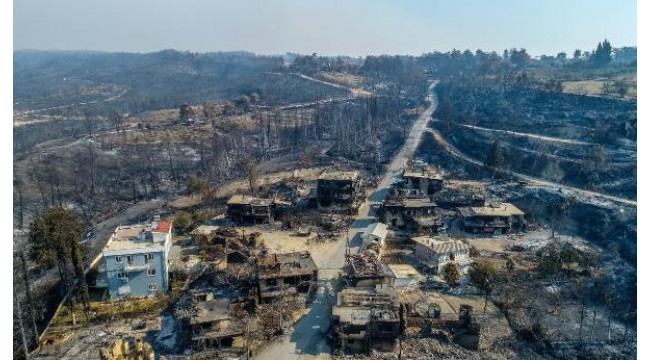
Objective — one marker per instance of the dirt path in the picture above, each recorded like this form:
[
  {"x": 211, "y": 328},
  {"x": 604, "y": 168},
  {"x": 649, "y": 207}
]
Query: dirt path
[
  {"x": 355, "y": 92},
  {"x": 525, "y": 135},
  {"x": 23, "y": 113},
  {"x": 307, "y": 339},
  {"x": 587, "y": 196}
]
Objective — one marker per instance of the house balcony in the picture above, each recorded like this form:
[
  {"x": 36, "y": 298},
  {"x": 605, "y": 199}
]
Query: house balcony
[
  {"x": 343, "y": 196},
  {"x": 136, "y": 267},
  {"x": 357, "y": 335},
  {"x": 486, "y": 224}
]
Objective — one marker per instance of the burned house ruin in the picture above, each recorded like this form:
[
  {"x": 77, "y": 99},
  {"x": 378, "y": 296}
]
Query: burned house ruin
[
  {"x": 289, "y": 274},
  {"x": 366, "y": 319},
  {"x": 363, "y": 270},
  {"x": 212, "y": 325},
  {"x": 246, "y": 209},
  {"x": 339, "y": 192},
  {"x": 492, "y": 218},
  {"x": 202, "y": 235},
  {"x": 417, "y": 215},
  {"x": 417, "y": 184},
  {"x": 457, "y": 193}
]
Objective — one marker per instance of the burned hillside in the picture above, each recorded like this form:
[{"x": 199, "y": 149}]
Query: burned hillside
[
  {"x": 583, "y": 141},
  {"x": 137, "y": 162}
]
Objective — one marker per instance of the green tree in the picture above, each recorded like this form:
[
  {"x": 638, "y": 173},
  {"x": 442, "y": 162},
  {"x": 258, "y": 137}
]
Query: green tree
[
  {"x": 228, "y": 108},
  {"x": 598, "y": 158},
  {"x": 577, "y": 54},
  {"x": 588, "y": 260},
  {"x": 606, "y": 52},
  {"x": 55, "y": 240},
  {"x": 182, "y": 220},
  {"x": 210, "y": 109},
  {"x": 558, "y": 211},
  {"x": 243, "y": 102},
  {"x": 255, "y": 98},
  {"x": 549, "y": 261},
  {"x": 620, "y": 87},
  {"x": 607, "y": 88},
  {"x": 186, "y": 112},
  {"x": 450, "y": 273},
  {"x": 196, "y": 185},
  {"x": 569, "y": 255},
  {"x": 482, "y": 274},
  {"x": 495, "y": 159},
  {"x": 510, "y": 265},
  {"x": 252, "y": 173},
  {"x": 519, "y": 58},
  {"x": 602, "y": 55}
]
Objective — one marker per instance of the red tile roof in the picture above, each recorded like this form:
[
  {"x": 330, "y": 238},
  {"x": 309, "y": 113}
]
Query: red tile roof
[{"x": 163, "y": 226}]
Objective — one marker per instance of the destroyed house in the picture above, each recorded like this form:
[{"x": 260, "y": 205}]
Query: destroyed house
[
  {"x": 436, "y": 252},
  {"x": 249, "y": 209},
  {"x": 339, "y": 191},
  {"x": 419, "y": 183},
  {"x": 135, "y": 261},
  {"x": 202, "y": 235},
  {"x": 440, "y": 313},
  {"x": 492, "y": 218},
  {"x": 364, "y": 270},
  {"x": 212, "y": 325},
  {"x": 246, "y": 209},
  {"x": 458, "y": 193},
  {"x": 429, "y": 311},
  {"x": 366, "y": 319},
  {"x": 281, "y": 275},
  {"x": 412, "y": 214}
]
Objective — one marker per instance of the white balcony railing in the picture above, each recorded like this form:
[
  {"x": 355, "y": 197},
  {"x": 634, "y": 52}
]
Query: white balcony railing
[{"x": 135, "y": 267}]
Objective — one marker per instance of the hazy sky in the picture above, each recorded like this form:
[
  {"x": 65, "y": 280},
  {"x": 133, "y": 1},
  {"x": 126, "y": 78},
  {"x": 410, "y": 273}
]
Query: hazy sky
[{"x": 329, "y": 27}]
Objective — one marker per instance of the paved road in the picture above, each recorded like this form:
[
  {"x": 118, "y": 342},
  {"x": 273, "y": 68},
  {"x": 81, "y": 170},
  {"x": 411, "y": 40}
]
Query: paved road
[{"x": 307, "y": 339}]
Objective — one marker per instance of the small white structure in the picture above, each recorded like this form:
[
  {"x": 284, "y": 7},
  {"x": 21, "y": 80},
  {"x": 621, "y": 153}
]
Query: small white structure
[
  {"x": 404, "y": 275},
  {"x": 375, "y": 234},
  {"x": 436, "y": 252}
]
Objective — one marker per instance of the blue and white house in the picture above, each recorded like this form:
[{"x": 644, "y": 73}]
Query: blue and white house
[{"x": 135, "y": 261}]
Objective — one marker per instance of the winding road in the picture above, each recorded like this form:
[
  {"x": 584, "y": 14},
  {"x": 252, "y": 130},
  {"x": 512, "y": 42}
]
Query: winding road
[
  {"x": 585, "y": 195},
  {"x": 525, "y": 135},
  {"x": 28, "y": 112}
]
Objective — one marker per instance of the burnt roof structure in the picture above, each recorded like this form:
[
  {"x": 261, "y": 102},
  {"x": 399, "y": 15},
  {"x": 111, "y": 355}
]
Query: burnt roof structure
[
  {"x": 366, "y": 267},
  {"x": 240, "y": 199},
  {"x": 339, "y": 175},
  {"x": 288, "y": 264},
  {"x": 456, "y": 193},
  {"x": 491, "y": 210},
  {"x": 210, "y": 311}
]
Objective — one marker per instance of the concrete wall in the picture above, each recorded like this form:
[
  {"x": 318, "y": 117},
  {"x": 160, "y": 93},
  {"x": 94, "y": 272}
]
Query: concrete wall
[{"x": 138, "y": 280}]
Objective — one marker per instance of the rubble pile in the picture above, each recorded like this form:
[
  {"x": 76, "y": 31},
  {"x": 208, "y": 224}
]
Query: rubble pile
[{"x": 128, "y": 349}]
